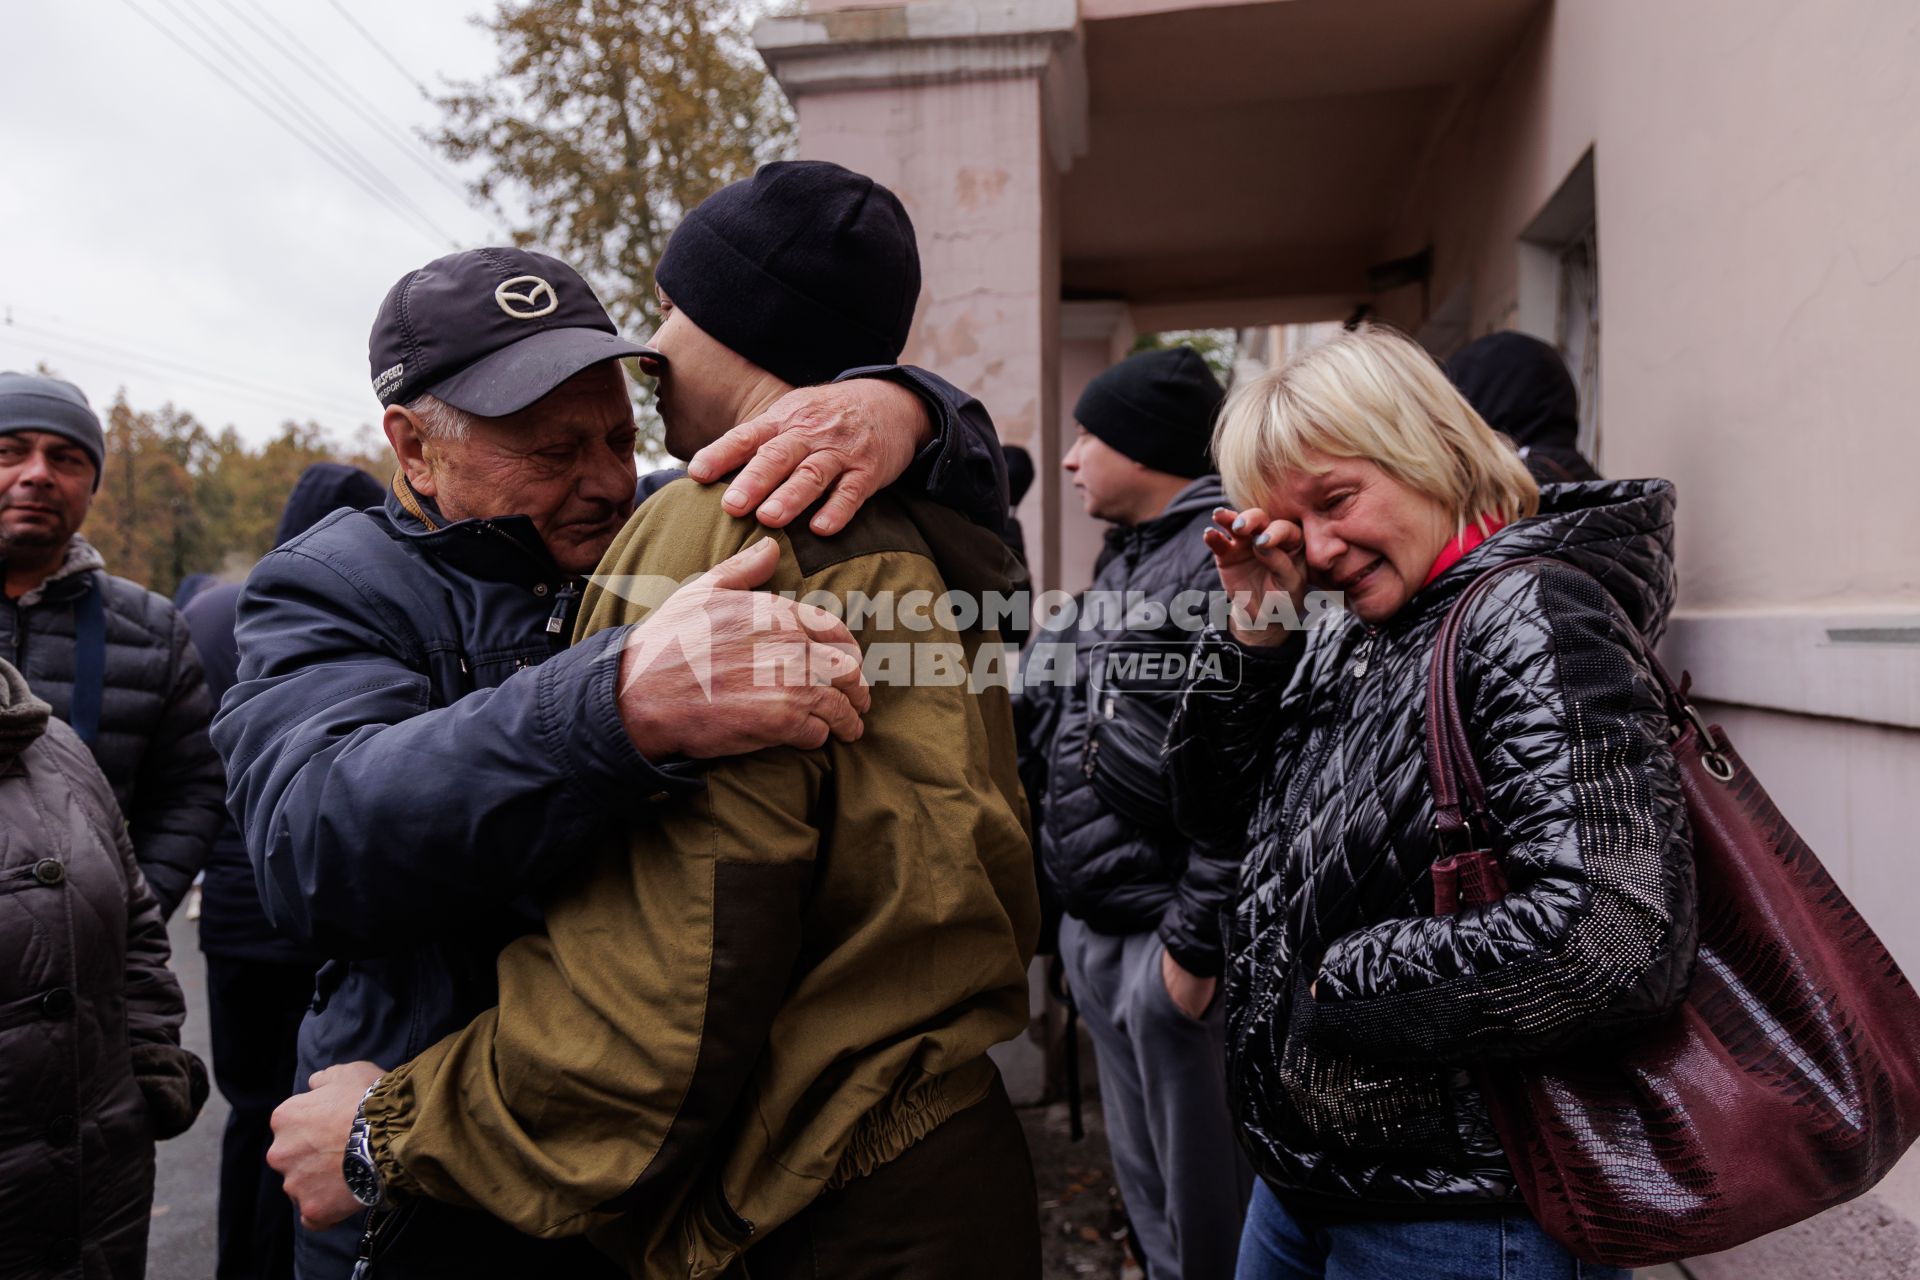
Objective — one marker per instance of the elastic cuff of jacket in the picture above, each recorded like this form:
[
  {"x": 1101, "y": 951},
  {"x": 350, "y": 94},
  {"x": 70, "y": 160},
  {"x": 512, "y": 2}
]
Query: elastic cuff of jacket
[
  {"x": 389, "y": 1110},
  {"x": 580, "y": 700},
  {"x": 1249, "y": 665},
  {"x": 1201, "y": 963},
  {"x": 930, "y": 461}
]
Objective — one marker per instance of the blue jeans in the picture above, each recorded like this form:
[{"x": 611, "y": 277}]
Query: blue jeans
[{"x": 1278, "y": 1246}]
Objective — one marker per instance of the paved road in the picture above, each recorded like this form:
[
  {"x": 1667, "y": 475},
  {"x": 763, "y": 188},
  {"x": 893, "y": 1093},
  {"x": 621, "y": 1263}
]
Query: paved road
[
  {"x": 185, "y": 1196},
  {"x": 181, "y": 1246}
]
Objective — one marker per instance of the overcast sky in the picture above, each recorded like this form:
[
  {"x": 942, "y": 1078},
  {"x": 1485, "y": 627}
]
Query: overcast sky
[{"x": 164, "y": 235}]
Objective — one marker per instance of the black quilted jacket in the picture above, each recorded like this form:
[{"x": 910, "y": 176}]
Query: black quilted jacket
[
  {"x": 154, "y": 712},
  {"x": 1109, "y": 844},
  {"x": 1352, "y": 1099}
]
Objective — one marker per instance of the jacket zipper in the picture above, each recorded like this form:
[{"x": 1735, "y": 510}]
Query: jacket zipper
[{"x": 1322, "y": 750}]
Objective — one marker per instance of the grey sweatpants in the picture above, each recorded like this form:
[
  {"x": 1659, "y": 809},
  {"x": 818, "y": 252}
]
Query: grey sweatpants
[{"x": 1163, "y": 1094}]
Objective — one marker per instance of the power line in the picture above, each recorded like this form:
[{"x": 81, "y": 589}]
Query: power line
[
  {"x": 155, "y": 366},
  {"x": 347, "y": 94},
  {"x": 243, "y": 60},
  {"x": 281, "y": 405},
  {"x": 274, "y": 116},
  {"x": 380, "y": 49}
]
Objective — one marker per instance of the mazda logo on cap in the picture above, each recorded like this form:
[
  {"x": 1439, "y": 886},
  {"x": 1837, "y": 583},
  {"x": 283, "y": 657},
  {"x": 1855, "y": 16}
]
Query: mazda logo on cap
[{"x": 526, "y": 297}]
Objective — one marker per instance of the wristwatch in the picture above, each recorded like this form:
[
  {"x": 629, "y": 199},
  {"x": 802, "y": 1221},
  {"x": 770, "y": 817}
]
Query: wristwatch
[{"x": 363, "y": 1176}]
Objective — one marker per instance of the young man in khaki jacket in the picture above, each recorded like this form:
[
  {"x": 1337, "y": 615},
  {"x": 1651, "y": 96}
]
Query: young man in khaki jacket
[{"x": 760, "y": 1030}]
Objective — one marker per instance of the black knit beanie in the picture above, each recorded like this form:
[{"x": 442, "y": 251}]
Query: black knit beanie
[
  {"x": 806, "y": 269},
  {"x": 1157, "y": 408}
]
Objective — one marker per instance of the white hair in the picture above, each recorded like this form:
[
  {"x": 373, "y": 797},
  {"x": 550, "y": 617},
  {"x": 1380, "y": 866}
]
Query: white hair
[{"x": 439, "y": 420}]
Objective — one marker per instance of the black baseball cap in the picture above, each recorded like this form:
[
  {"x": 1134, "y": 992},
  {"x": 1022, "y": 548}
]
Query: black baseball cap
[{"x": 489, "y": 331}]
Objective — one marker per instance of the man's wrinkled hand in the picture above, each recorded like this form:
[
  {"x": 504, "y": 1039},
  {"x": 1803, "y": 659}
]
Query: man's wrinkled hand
[
  {"x": 310, "y": 1143},
  {"x": 719, "y": 670},
  {"x": 854, "y": 437},
  {"x": 1193, "y": 996}
]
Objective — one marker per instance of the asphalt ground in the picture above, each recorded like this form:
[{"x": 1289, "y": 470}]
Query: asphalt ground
[{"x": 186, "y": 1188}]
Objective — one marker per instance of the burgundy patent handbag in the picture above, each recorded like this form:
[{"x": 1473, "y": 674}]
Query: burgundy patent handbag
[{"x": 1788, "y": 1081}]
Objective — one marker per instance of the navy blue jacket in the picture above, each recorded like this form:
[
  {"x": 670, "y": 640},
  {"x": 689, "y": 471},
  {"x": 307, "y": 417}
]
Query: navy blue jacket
[{"x": 413, "y": 751}]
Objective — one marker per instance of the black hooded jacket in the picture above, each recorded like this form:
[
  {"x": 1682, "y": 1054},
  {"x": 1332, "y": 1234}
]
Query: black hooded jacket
[
  {"x": 1110, "y": 846},
  {"x": 1521, "y": 386},
  {"x": 1349, "y": 1004},
  {"x": 232, "y": 921}
]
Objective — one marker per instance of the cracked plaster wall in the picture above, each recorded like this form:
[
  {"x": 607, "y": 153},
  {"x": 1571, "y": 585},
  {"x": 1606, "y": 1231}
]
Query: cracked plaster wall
[{"x": 1758, "y": 172}]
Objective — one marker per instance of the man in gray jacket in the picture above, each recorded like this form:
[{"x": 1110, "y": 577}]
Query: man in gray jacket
[
  {"x": 113, "y": 659},
  {"x": 1141, "y": 940}
]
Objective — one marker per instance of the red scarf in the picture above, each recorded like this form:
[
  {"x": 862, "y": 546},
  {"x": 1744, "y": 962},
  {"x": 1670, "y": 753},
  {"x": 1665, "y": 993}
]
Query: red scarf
[{"x": 1469, "y": 538}]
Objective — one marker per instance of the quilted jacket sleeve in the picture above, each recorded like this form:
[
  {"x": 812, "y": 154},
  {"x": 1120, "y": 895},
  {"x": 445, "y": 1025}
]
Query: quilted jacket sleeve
[
  {"x": 962, "y": 467},
  {"x": 1569, "y": 730},
  {"x": 179, "y": 801},
  {"x": 1222, "y": 736}
]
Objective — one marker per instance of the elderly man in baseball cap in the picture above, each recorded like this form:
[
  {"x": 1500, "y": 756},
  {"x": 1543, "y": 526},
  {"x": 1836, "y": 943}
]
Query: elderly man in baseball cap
[{"x": 413, "y": 751}]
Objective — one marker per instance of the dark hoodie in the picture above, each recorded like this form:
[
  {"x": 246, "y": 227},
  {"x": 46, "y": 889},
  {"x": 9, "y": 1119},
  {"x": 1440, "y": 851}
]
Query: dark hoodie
[
  {"x": 231, "y": 919},
  {"x": 1521, "y": 386}
]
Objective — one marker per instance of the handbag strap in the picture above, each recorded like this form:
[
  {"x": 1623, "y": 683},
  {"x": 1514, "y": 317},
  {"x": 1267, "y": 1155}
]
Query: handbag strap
[{"x": 1459, "y": 792}]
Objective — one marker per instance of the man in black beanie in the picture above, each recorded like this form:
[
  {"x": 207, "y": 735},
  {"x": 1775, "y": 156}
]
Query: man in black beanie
[
  {"x": 762, "y": 1028},
  {"x": 1140, "y": 942}
]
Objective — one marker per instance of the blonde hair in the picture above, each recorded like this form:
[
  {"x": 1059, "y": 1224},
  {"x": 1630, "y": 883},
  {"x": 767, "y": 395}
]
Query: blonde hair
[{"x": 1373, "y": 394}]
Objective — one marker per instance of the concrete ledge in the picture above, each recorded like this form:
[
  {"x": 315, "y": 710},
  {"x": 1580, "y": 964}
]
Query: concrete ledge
[
  {"x": 943, "y": 42},
  {"x": 915, "y": 44},
  {"x": 1855, "y": 664}
]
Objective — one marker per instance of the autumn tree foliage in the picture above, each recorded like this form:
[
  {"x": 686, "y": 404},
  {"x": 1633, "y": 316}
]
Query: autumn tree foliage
[
  {"x": 176, "y": 498},
  {"x": 606, "y": 120}
]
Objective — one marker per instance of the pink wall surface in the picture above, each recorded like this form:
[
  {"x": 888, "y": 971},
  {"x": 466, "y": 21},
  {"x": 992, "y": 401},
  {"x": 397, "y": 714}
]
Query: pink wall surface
[
  {"x": 969, "y": 162},
  {"x": 1760, "y": 268}
]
